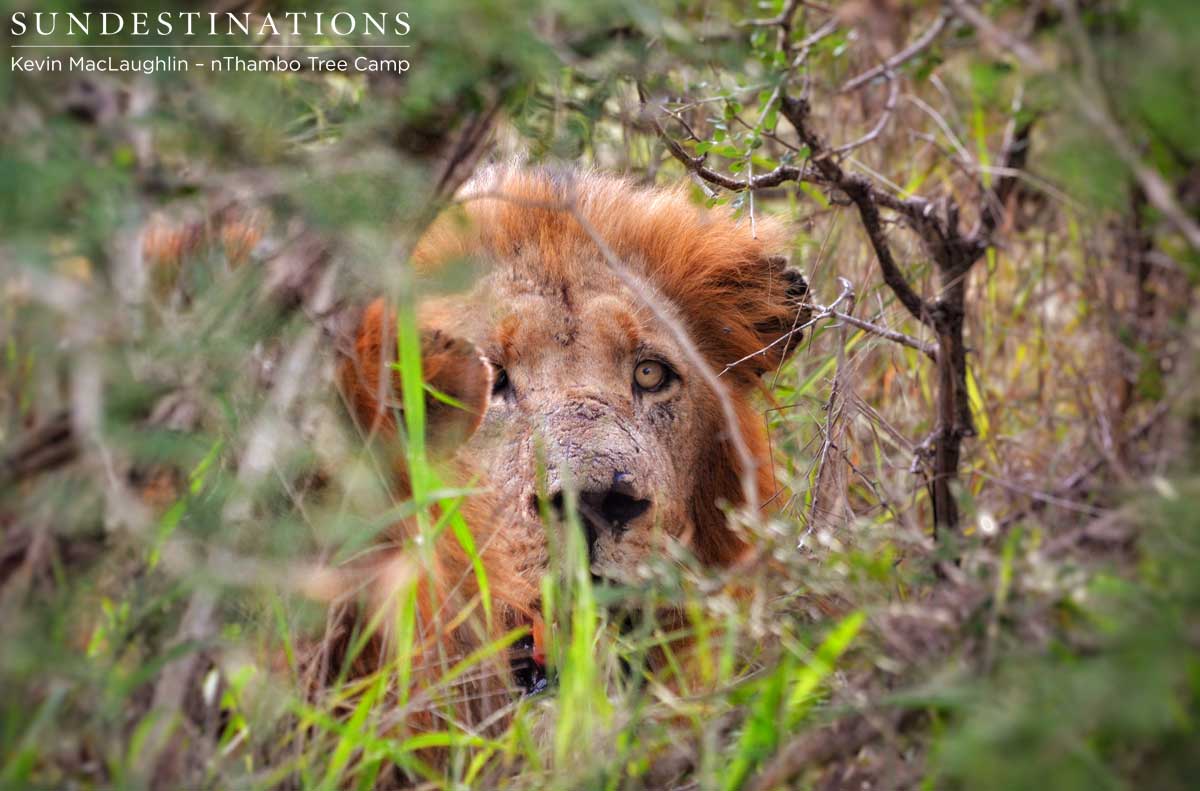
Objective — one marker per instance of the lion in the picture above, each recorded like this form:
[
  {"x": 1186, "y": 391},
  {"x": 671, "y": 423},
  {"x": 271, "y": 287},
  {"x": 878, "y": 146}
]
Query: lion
[{"x": 571, "y": 373}]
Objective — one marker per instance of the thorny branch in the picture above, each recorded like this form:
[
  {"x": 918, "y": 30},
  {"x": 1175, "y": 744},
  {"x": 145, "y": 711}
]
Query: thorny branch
[
  {"x": 830, "y": 478},
  {"x": 830, "y": 311},
  {"x": 927, "y": 349},
  {"x": 954, "y": 252}
]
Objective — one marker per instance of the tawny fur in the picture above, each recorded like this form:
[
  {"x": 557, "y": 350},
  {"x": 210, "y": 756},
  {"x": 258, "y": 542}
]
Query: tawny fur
[{"x": 552, "y": 315}]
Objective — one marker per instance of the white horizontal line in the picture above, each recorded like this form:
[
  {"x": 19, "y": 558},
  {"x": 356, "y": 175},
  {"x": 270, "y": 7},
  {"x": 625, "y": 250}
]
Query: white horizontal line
[{"x": 205, "y": 46}]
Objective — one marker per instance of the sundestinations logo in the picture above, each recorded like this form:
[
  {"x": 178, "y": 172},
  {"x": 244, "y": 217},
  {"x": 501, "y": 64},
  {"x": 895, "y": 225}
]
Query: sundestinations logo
[
  {"x": 62, "y": 41},
  {"x": 209, "y": 23}
]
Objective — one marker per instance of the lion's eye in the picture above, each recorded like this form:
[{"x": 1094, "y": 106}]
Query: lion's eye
[
  {"x": 650, "y": 375},
  {"x": 500, "y": 383}
]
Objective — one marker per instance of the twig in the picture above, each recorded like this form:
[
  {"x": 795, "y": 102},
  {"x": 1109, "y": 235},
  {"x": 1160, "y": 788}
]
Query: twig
[
  {"x": 889, "y": 108},
  {"x": 945, "y": 127},
  {"x": 833, "y": 410},
  {"x": 783, "y": 19},
  {"x": 195, "y": 626},
  {"x": 919, "y": 45},
  {"x": 469, "y": 147},
  {"x": 830, "y": 311},
  {"x": 976, "y": 19},
  {"x": 49, "y": 445},
  {"x": 927, "y": 349},
  {"x": 821, "y": 33},
  {"x": 860, "y": 191},
  {"x": 953, "y": 253}
]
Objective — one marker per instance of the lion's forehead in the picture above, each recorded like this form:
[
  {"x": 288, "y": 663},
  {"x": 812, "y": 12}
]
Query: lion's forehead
[
  {"x": 569, "y": 351},
  {"x": 521, "y": 318}
]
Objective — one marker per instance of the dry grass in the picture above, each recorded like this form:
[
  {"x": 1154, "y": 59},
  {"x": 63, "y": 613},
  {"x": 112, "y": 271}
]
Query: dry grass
[{"x": 179, "y": 489}]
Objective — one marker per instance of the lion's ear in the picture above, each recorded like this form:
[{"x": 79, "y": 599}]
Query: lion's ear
[
  {"x": 458, "y": 380},
  {"x": 786, "y": 312},
  {"x": 769, "y": 311}
]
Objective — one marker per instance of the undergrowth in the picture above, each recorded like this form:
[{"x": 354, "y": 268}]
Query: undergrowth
[{"x": 178, "y": 477}]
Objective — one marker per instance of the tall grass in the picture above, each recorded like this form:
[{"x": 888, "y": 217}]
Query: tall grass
[{"x": 178, "y": 478}]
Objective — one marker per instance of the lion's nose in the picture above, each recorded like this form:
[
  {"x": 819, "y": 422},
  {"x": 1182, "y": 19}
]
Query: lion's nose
[{"x": 604, "y": 511}]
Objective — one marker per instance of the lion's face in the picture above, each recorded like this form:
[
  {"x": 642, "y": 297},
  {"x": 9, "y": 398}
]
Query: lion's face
[
  {"x": 576, "y": 390},
  {"x": 592, "y": 399}
]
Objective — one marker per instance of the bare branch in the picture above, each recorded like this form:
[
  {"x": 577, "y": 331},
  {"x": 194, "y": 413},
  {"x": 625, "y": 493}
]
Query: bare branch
[
  {"x": 995, "y": 203},
  {"x": 47, "y": 446},
  {"x": 823, "y": 32},
  {"x": 976, "y": 18},
  {"x": 889, "y": 107},
  {"x": 832, "y": 479},
  {"x": 860, "y": 191},
  {"x": 1070, "y": 485},
  {"x": 919, "y": 45},
  {"x": 784, "y": 19},
  {"x": 773, "y": 178},
  {"x": 831, "y": 312},
  {"x": 927, "y": 349},
  {"x": 469, "y": 147}
]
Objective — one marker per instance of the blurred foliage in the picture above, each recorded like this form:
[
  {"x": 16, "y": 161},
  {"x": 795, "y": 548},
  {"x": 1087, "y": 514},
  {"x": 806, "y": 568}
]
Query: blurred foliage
[
  {"x": 1136, "y": 53},
  {"x": 1113, "y": 701},
  {"x": 211, "y": 470}
]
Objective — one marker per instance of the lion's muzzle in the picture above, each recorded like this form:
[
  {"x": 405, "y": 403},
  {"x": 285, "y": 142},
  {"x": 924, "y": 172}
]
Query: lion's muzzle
[{"x": 604, "y": 513}]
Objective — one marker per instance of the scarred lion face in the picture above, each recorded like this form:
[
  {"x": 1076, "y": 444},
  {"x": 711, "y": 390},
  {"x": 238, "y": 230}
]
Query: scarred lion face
[
  {"x": 579, "y": 379},
  {"x": 589, "y": 387}
]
